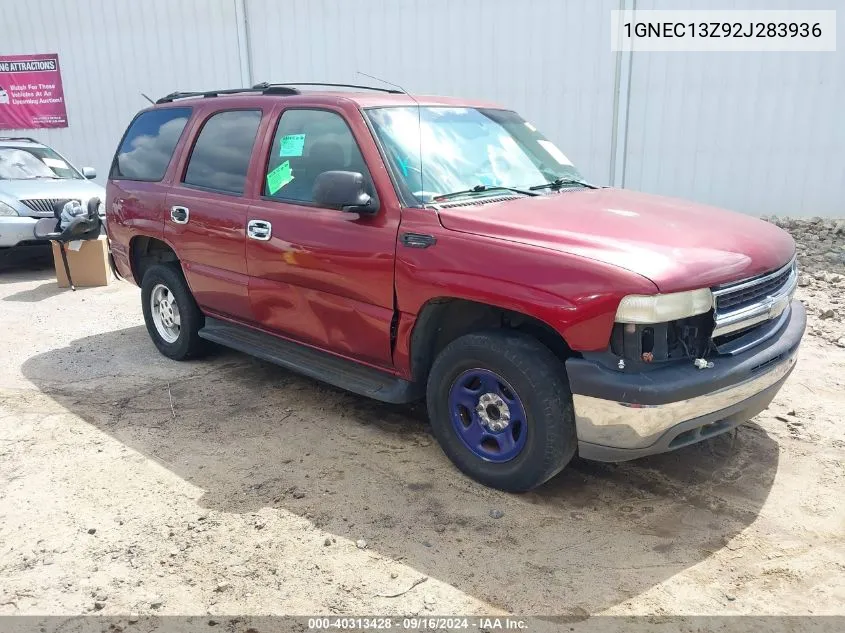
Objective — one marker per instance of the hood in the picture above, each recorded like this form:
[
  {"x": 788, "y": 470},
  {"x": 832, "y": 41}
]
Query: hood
[
  {"x": 12, "y": 190},
  {"x": 678, "y": 245}
]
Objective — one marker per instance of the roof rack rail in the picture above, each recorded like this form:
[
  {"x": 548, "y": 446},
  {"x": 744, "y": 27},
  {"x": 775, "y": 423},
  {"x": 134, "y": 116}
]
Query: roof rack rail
[
  {"x": 266, "y": 85},
  {"x": 267, "y": 89},
  {"x": 228, "y": 91},
  {"x": 19, "y": 138}
]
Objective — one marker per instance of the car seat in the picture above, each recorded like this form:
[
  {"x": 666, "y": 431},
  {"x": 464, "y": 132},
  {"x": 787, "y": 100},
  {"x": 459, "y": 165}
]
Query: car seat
[{"x": 82, "y": 227}]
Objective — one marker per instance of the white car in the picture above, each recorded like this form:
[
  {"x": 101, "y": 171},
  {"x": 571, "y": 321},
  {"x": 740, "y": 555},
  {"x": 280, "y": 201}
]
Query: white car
[{"x": 33, "y": 180}]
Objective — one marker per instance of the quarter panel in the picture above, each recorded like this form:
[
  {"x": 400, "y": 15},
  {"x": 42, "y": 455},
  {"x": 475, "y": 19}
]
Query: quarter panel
[{"x": 133, "y": 208}]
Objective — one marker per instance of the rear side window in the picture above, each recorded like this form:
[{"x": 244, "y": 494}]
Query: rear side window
[
  {"x": 221, "y": 154},
  {"x": 148, "y": 144}
]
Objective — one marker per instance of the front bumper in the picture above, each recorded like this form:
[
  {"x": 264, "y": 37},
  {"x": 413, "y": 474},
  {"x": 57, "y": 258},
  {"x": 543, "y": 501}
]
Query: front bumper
[
  {"x": 16, "y": 229},
  {"x": 624, "y": 415}
]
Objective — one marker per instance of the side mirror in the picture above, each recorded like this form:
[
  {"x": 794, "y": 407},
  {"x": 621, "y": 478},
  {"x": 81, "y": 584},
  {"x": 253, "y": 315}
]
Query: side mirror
[
  {"x": 89, "y": 172},
  {"x": 344, "y": 190}
]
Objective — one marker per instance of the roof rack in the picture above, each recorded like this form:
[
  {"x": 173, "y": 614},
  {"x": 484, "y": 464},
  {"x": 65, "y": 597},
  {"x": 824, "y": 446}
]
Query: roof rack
[
  {"x": 229, "y": 91},
  {"x": 19, "y": 138},
  {"x": 267, "y": 89},
  {"x": 266, "y": 85}
]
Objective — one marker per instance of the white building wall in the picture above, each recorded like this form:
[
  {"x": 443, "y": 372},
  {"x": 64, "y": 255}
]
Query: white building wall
[
  {"x": 548, "y": 59},
  {"x": 112, "y": 51},
  {"x": 758, "y": 133},
  {"x": 762, "y": 133}
]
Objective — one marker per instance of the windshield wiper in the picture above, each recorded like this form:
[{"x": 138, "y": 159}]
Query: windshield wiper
[
  {"x": 559, "y": 183},
  {"x": 481, "y": 189}
]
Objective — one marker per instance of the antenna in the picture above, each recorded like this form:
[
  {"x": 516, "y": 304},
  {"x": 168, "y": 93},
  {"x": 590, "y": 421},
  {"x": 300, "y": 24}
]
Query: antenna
[
  {"x": 401, "y": 89},
  {"x": 419, "y": 124},
  {"x": 148, "y": 99}
]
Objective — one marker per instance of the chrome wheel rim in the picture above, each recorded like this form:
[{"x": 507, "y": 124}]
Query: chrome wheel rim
[{"x": 165, "y": 312}]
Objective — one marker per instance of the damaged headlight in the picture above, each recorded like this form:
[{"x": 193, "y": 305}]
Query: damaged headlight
[
  {"x": 662, "y": 308},
  {"x": 654, "y": 328}
]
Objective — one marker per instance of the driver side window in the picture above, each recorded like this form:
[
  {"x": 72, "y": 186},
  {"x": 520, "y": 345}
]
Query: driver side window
[{"x": 307, "y": 143}]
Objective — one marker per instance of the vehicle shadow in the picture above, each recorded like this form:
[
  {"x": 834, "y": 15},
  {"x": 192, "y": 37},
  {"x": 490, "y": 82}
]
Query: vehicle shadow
[
  {"x": 253, "y": 435},
  {"x": 26, "y": 263}
]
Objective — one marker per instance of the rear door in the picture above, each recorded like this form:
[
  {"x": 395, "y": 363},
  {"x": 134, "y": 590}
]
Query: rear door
[
  {"x": 136, "y": 192},
  {"x": 207, "y": 211},
  {"x": 323, "y": 276}
]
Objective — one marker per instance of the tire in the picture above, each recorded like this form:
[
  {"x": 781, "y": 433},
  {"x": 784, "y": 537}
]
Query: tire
[
  {"x": 524, "y": 376},
  {"x": 178, "y": 343}
]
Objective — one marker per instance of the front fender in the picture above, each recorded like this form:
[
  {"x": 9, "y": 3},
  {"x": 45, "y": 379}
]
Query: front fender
[{"x": 575, "y": 296}]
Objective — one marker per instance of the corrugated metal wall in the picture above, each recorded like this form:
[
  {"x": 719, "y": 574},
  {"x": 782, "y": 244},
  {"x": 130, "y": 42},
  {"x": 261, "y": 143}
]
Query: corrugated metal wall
[
  {"x": 549, "y": 60},
  {"x": 758, "y": 133},
  {"x": 761, "y": 133},
  {"x": 110, "y": 52}
]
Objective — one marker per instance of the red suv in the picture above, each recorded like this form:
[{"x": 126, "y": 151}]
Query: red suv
[{"x": 404, "y": 247}]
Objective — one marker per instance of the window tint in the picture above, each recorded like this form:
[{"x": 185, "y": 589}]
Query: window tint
[
  {"x": 148, "y": 146},
  {"x": 220, "y": 158},
  {"x": 307, "y": 143}
]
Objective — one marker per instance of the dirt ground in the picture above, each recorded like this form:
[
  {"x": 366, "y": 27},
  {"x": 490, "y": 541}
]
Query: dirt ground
[{"x": 130, "y": 483}]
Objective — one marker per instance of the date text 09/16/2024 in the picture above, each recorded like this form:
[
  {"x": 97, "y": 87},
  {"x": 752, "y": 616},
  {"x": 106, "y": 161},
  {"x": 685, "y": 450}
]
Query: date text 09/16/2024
[{"x": 418, "y": 624}]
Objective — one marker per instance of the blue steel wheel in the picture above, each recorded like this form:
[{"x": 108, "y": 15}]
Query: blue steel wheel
[
  {"x": 488, "y": 415},
  {"x": 501, "y": 409}
]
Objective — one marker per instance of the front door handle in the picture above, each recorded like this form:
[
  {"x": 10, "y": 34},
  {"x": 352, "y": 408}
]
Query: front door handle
[
  {"x": 259, "y": 230},
  {"x": 418, "y": 240},
  {"x": 180, "y": 215}
]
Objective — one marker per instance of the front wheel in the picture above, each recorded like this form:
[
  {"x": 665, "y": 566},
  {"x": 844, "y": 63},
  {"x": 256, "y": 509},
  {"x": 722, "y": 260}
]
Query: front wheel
[
  {"x": 500, "y": 406},
  {"x": 172, "y": 316}
]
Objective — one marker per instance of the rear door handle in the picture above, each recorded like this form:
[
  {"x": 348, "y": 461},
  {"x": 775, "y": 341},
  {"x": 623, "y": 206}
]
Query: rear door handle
[
  {"x": 180, "y": 215},
  {"x": 260, "y": 230}
]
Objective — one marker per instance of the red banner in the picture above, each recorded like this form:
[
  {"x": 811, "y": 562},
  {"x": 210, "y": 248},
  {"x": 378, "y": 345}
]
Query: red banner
[{"x": 31, "y": 93}]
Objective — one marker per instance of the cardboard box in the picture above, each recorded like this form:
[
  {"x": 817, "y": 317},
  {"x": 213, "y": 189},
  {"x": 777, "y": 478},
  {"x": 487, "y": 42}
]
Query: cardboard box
[{"x": 89, "y": 266}]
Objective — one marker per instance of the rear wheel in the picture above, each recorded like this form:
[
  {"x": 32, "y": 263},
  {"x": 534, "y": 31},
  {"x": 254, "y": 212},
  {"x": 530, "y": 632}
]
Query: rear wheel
[
  {"x": 172, "y": 316},
  {"x": 501, "y": 408}
]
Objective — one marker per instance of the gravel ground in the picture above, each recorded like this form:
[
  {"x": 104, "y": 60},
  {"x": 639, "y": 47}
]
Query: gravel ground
[{"x": 133, "y": 484}]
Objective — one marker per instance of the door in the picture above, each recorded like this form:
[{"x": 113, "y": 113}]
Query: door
[
  {"x": 206, "y": 212},
  {"x": 322, "y": 276},
  {"x": 136, "y": 197}
]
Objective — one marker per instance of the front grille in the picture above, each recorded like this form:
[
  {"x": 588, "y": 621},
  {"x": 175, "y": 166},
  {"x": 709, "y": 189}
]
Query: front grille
[
  {"x": 748, "y": 295},
  {"x": 745, "y": 311},
  {"x": 44, "y": 207}
]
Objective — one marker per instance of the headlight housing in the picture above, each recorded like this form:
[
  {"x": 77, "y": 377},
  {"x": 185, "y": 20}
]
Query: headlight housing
[
  {"x": 5, "y": 209},
  {"x": 661, "y": 308}
]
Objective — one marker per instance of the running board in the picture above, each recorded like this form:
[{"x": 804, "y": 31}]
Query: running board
[{"x": 311, "y": 362}]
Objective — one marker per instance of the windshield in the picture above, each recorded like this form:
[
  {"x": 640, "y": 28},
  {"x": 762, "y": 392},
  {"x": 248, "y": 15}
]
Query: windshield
[
  {"x": 438, "y": 150},
  {"x": 30, "y": 163}
]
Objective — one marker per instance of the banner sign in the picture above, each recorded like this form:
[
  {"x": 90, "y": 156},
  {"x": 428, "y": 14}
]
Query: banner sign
[{"x": 31, "y": 94}]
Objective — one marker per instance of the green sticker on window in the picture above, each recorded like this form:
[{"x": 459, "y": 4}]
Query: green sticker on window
[
  {"x": 279, "y": 177},
  {"x": 292, "y": 145}
]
